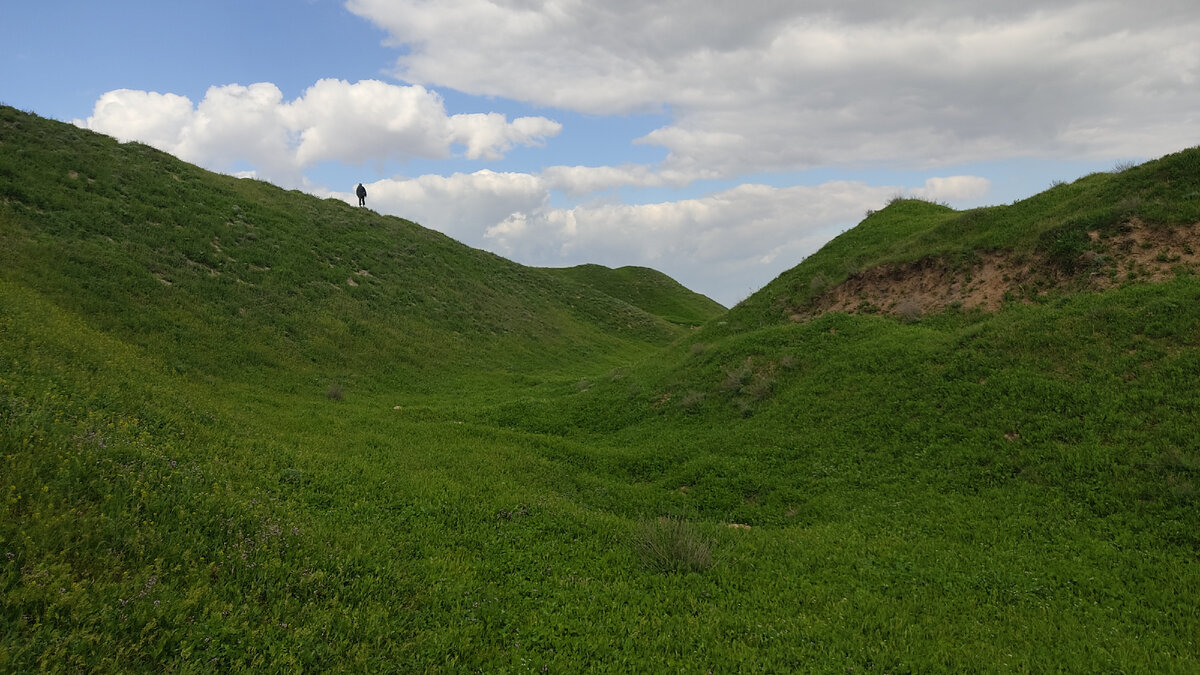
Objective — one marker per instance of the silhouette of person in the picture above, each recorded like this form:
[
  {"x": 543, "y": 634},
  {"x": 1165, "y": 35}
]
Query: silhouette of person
[{"x": 362, "y": 195}]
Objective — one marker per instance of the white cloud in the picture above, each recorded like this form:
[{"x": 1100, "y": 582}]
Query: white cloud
[
  {"x": 953, "y": 188},
  {"x": 489, "y": 136},
  {"x": 725, "y": 245},
  {"x": 461, "y": 205},
  {"x": 779, "y": 85},
  {"x": 333, "y": 120},
  {"x": 583, "y": 180},
  {"x": 153, "y": 118}
]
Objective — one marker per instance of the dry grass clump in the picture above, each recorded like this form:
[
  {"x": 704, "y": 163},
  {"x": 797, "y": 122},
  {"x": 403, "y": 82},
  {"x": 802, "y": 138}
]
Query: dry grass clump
[{"x": 672, "y": 545}]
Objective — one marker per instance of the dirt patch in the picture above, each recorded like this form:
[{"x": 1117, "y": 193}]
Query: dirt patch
[
  {"x": 1138, "y": 252},
  {"x": 1149, "y": 253}
]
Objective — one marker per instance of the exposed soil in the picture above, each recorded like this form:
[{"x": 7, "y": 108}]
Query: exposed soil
[{"x": 1138, "y": 253}]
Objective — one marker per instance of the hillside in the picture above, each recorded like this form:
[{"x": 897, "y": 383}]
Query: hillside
[
  {"x": 246, "y": 429},
  {"x": 914, "y": 257},
  {"x": 230, "y": 276},
  {"x": 648, "y": 290}
]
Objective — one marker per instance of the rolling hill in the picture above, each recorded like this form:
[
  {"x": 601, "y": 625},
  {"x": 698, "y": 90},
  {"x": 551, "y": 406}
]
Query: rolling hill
[
  {"x": 231, "y": 276},
  {"x": 249, "y": 429}
]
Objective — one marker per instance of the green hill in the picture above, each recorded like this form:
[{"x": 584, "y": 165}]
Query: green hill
[
  {"x": 217, "y": 453},
  {"x": 649, "y": 290},
  {"x": 1101, "y": 230},
  {"x": 231, "y": 276}
]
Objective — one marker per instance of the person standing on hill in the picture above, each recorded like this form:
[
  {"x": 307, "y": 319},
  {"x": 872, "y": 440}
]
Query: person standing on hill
[{"x": 362, "y": 195}]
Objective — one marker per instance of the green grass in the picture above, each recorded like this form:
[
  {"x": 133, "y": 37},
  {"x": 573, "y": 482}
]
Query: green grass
[
  {"x": 182, "y": 490},
  {"x": 649, "y": 290}
]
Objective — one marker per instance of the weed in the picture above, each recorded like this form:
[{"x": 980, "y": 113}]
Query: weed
[
  {"x": 1123, "y": 165},
  {"x": 909, "y": 310},
  {"x": 819, "y": 283},
  {"x": 672, "y": 545},
  {"x": 736, "y": 377},
  {"x": 691, "y": 402}
]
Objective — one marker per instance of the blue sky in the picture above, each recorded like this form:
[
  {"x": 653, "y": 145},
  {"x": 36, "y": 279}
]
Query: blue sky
[{"x": 719, "y": 143}]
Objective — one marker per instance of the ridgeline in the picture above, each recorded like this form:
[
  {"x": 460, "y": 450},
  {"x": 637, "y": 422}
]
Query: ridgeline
[{"x": 249, "y": 429}]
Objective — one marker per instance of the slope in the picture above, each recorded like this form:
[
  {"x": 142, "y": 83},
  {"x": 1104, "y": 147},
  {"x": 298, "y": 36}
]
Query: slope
[
  {"x": 971, "y": 478},
  {"x": 914, "y": 256},
  {"x": 237, "y": 278},
  {"x": 648, "y": 290}
]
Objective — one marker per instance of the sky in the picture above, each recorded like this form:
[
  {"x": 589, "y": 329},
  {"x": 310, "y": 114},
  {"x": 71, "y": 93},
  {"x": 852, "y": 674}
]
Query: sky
[{"x": 718, "y": 142}]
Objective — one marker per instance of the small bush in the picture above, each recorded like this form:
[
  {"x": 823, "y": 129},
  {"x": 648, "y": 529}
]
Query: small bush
[
  {"x": 819, "y": 284},
  {"x": 691, "y": 402},
  {"x": 672, "y": 545},
  {"x": 909, "y": 310},
  {"x": 737, "y": 377},
  {"x": 760, "y": 387}
]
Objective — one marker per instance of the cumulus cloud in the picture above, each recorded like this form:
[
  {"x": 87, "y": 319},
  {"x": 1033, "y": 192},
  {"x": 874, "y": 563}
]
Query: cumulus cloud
[
  {"x": 952, "y": 188},
  {"x": 782, "y": 85},
  {"x": 583, "y": 180},
  {"x": 726, "y": 244},
  {"x": 332, "y": 120},
  {"x": 461, "y": 205}
]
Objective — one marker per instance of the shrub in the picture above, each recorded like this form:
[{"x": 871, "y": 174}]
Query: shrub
[
  {"x": 737, "y": 377},
  {"x": 672, "y": 545},
  {"x": 819, "y": 284},
  {"x": 909, "y": 310},
  {"x": 691, "y": 402}
]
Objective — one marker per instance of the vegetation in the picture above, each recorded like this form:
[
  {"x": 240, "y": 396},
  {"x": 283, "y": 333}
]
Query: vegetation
[
  {"x": 217, "y": 453},
  {"x": 649, "y": 290}
]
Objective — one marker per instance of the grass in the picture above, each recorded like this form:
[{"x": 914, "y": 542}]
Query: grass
[
  {"x": 672, "y": 545},
  {"x": 181, "y": 491}
]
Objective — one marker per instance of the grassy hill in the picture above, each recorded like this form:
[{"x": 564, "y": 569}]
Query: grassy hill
[
  {"x": 649, "y": 290},
  {"x": 231, "y": 276},
  {"x": 217, "y": 453},
  {"x": 1101, "y": 230}
]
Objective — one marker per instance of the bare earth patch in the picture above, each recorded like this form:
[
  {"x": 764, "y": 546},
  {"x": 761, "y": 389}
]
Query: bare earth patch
[{"x": 910, "y": 290}]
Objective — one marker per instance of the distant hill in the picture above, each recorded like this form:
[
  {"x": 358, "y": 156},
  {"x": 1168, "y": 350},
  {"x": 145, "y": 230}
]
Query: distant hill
[{"x": 649, "y": 290}]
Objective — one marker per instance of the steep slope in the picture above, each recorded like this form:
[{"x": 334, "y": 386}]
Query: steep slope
[
  {"x": 913, "y": 257},
  {"x": 233, "y": 276},
  {"x": 649, "y": 290}
]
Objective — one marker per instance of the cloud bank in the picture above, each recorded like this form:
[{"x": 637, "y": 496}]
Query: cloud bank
[
  {"x": 333, "y": 121},
  {"x": 725, "y": 245},
  {"x": 780, "y": 85},
  {"x": 753, "y": 89}
]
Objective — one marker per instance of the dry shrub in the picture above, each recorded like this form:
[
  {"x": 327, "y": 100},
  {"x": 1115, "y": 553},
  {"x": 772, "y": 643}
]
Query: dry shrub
[{"x": 672, "y": 545}]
